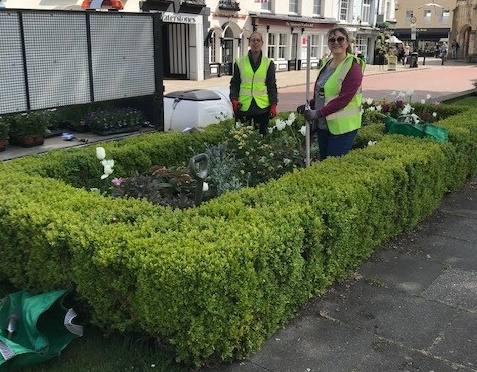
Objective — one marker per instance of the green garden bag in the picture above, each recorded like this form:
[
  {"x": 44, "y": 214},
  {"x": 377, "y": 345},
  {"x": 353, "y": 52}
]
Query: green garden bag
[
  {"x": 35, "y": 328},
  {"x": 419, "y": 130}
]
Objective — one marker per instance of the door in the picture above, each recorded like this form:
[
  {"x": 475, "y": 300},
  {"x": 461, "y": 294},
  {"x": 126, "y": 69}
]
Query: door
[
  {"x": 293, "y": 64},
  {"x": 228, "y": 56}
]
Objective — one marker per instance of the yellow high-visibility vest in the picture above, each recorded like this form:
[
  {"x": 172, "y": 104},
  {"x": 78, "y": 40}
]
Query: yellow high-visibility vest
[
  {"x": 253, "y": 83},
  {"x": 349, "y": 117}
]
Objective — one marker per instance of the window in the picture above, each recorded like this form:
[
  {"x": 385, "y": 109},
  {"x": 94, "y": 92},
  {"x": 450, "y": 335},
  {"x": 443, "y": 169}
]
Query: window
[
  {"x": 272, "y": 48},
  {"x": 366, "y": 12},
  {"x": 445, "y": 17},
  {"x": 344, "y": 7},
  {"x": 317, "y": 6},
  {"x": 427, "y": 17},
  {"x": 282, "y": 46},
  {"x": 213, "y": 47},
  {"x": 267, "y": 5},
  {"x": 293, "y": 6},
  {"x": 362, "y": 45},
  {"x": 315, "y": 46}
]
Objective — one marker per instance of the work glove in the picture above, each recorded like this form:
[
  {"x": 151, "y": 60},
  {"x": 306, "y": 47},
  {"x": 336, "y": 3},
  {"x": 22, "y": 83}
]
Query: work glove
[
  {"x": 301, "y": 109},
  {"x": 273, "y": 110},
  {"x": 235, "y": 105},
  {"x": 311, "y": 115}
]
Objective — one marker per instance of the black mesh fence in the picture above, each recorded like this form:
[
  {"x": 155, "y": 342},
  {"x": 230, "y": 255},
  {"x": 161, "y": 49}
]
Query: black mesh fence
[{"x": 58, "y": 58}]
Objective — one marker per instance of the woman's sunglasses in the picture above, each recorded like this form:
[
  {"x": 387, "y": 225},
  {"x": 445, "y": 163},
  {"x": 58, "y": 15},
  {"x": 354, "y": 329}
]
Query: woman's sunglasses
[{"x": 333, "y": 40}]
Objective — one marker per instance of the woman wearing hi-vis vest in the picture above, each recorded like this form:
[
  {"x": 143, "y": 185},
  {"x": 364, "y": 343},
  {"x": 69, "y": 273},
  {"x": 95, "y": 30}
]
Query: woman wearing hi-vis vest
[
  {"x": 253, "y": 87},
  {"x": 335, "y": 110}
]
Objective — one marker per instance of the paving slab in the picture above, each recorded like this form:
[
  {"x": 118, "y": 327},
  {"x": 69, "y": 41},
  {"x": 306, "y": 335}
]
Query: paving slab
[
  {"x": 386, "y": 357},
  {"x": 451, "y": 252},
  {"x": 464, "y": 202},
  {"x": 403, "y": 272},
  {"x": 459, "y": 341},
  {"x": 402, "y": 318},
  {"x": 314, "y": 344},
  {"x": 455, "y": 287}
]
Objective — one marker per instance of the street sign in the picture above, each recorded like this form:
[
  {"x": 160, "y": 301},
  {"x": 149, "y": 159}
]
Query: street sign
[{"x": 413, "y": 20}]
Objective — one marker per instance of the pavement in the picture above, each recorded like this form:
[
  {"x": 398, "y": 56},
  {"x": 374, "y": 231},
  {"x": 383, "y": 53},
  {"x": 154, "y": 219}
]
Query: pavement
[{"x": 413, "y": 305}]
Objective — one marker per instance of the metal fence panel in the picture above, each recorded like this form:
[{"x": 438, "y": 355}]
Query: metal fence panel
[
  {"x": 122, "y": 56},
  {"x": 13, "y": 96},
  {"x": 57, "y": 58},
  {"x": 60, "y": 58}
]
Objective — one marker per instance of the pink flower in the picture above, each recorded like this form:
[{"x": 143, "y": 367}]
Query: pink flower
[{"x": 117, "y": 181}]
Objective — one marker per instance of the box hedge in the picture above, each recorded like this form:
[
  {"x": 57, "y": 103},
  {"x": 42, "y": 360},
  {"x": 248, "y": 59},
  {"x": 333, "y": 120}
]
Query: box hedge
[{"x": 215, "y": 281}]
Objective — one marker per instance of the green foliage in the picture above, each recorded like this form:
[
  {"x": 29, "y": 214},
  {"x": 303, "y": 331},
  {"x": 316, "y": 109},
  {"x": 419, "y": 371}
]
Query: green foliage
[
  {"x": 214, "y": 282},
  {"x": 4, "y": 127},
  {"x": 114, "y": 119},
  {"x": 32, "y": 123}
]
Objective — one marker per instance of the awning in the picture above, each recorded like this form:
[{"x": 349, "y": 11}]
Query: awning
[
  {"x": 102, "y": 4},
  {"x": 393, "y": 40}
]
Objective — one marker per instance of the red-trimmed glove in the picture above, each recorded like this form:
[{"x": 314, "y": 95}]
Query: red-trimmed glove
[
  {"x": 273, "y": 110},
  {"x": 235, "y": 105}
]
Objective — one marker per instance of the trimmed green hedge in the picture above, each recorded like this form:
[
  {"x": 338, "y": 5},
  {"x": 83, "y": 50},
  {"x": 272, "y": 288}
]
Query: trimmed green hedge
[{"x": 215, "y": 281}]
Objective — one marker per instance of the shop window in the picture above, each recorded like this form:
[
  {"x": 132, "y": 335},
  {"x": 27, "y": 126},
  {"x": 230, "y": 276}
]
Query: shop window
[
  {"x": 315, "y": 46},
  {"x": 282, "y": 45},
  {"x": 272, "y": 48}
]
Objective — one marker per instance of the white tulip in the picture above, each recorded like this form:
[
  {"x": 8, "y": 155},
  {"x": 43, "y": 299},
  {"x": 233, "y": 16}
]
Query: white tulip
[
  {"x": 302, "y": 130},
  {"x": 205, "y": 186},
  {"x": 100, "y": 153}
]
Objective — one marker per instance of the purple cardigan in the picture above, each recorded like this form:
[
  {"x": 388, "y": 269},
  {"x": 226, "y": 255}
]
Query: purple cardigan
[{"x": 350, "y": 86}]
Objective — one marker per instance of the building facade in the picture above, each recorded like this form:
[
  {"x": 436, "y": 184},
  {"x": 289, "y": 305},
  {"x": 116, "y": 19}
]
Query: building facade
[
  {"x": 202, "y": 38},
  {"x": 464, "y": 26},
  {"x": 423, "y": 24}
]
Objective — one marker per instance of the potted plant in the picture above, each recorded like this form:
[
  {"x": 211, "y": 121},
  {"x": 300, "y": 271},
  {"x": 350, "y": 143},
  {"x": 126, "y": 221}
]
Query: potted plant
[
  {"x": 28, "y": 129},
  {"x": 4, "y": 130},
  {"x": 115, "y": 120}
]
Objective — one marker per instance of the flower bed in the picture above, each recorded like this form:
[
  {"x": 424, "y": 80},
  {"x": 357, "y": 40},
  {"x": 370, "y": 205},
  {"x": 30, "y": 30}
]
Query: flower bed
[{"x": 217, "y": 280}]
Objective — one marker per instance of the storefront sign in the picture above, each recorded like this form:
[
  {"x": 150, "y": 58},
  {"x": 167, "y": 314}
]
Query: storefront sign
[
  {"x": 178, "y": 18},
  {"x": 232, "y": 15}
]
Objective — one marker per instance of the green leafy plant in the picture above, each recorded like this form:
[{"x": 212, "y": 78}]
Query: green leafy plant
[
  {"x": 32, "y": 123},
  {"x": 104, "y": 120},
  {"x": 4, "y": 127}
]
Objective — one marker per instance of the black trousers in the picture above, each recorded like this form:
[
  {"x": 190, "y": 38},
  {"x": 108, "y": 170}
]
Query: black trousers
[{"x": 259, "y": 121}]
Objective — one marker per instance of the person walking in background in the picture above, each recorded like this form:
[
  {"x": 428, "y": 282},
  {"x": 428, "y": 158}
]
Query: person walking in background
[
  {"x": 253, "y": 87},
  {"x": 336, "y": 107},
  {"x": 381, "y": 59},
  {"x": 455, "y": 48},
  {"x": 443, "y": 52}
]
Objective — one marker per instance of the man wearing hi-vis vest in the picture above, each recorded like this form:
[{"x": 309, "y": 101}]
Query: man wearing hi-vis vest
[
  {"x": 253, "y": 87},
  {"x": 335, "y": 111}
]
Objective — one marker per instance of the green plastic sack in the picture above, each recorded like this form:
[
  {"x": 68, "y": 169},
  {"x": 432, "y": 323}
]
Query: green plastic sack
[
  {"x": 35, "y": 328},
  {"x": 419, "y": 130}
]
